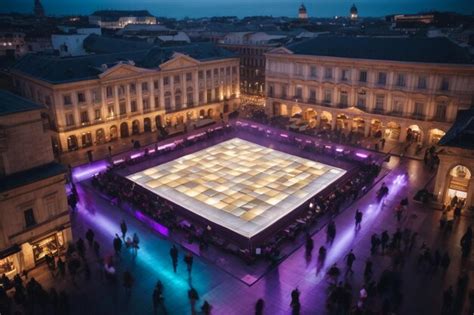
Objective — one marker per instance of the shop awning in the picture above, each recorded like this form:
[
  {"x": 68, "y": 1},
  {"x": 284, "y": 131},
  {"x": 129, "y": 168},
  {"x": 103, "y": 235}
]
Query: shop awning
[{"x": 9, "y": 251}]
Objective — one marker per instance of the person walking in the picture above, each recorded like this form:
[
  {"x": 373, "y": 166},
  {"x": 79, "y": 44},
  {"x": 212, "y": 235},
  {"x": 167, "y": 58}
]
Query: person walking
[
  {"x": 117, "y": 245},
  {"x": 259, "y": 307},
  {"x": 61, "y": 267},
  {"x": 174, "y": 257},
  {"x": 193, "y": 297},
  {"x": 90, "y": 237},
  {"x": 349, "y": 261},
  {"x": 374, "y": 243},
  {"x": 123, "y": 228},
  {"x": 331, "y": 232},
  {"x": 128, "y": 281},
  {"x": 81, "y": 249},
  {"x": 188, "y": 260},
  {"x": 358, "y": 219},
  {"x": 158, "y": 297},
  {"x": 295, "y": 302},
  {"x": 309, "y": 245},
  {"x": 384, "y": 240},
  {"x": 368, "y": 271},
  {"x": 206, "y": 308},
  {"x": 136, "y": 241},
  {"x": 96, "y": 247}
]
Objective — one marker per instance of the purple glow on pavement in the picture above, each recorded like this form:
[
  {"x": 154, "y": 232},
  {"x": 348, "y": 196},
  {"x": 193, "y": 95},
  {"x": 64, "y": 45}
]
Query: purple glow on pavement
[
  {"x": 118, "y": 161},
  {"x": 136, "y": 155},
  {"x": 361, "y": 155},
  {"x": 298, "y": 139},
  {"x": 151, "y": 151},
  {"x": 339, "y": 150},
  {"x": 327, "y": 147},
  {"x": 309, "y": 141},
  {"x": 169, "y": 145},
  {"x": 284, "y": 135},
  {"x": 163, "y": 230},
  {"x": 83, "y": 172},
  {"x": 254, "y": 126}
]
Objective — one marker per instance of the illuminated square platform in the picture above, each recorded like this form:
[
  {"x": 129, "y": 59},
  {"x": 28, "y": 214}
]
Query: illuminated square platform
[{"x": 239, "y": 185}]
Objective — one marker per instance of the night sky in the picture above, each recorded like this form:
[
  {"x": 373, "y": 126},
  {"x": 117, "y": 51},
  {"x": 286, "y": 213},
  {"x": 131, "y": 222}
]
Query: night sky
[{"x": 241, "y": 8}]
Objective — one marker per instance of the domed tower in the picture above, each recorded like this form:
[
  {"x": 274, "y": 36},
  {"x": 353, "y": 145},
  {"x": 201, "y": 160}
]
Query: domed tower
[
  {"x": 302, "y": 13},
  {"x": 354, "y": 13},
  {"x": 38, "y": 9}
]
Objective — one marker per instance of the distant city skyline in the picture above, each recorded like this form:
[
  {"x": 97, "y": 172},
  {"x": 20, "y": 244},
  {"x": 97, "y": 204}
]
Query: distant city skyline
[{"x": 242, "y": 8}]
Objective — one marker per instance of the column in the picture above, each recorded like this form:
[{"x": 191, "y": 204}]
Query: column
[
  {"x": 366, "y": 127},
  {"x": 318, "y": 119},
  {"x": 151, "y": 100},
  {"x": 333, "y": 122}
]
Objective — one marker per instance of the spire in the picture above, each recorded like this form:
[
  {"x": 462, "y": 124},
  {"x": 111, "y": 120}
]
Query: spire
[{"x": 38, "y": 9}]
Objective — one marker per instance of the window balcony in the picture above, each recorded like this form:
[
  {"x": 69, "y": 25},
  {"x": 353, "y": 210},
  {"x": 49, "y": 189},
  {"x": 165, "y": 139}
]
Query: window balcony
[
  {"x": 440, "y": 118},
  {"x": 342, "y": 105},
  {"x": 362, "y": 107},
  {"x": 418, "y": 116},
  {"x": 396, "y": 113},
  {"x": 311, "y": 100},
  {"x": 379, "y": 111}
]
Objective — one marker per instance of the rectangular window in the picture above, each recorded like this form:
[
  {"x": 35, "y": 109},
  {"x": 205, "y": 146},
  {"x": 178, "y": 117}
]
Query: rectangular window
[
  {"x": 227, "y": 71},
  {"x": 157, "y": 102},
  {"x": 145, "y": 86},
  {"x": 67, "y": 99},
  {"x": 167, "y": 103},
  {"x": 146, "y": 103},
  {"x": 166, "y": 81},
  {"x": 234, "y": 70},
  {"x": 216, "y": 93},
  {"x": 382, "y": 78},
  {"x": 401, "y": 80},
  {"x": 109, "y": 92},
  {"x": 133, "y": 106},
  {"x": 313, "y": 71},
  {"x": 363, "y": 76},
  {"x": 444, "y": 84},
  {"x": 216, "y": 72},
  {"x": 121, "y": 91},
  {"x": 177, "y": 101},
  {"x": 422, "y": 82},
  {"x": 328, "y": 73},
  {"x": 189, "y": 76},
  {"x": 122, "y": 108},
  {"x": 327, "y": 96},
  {"x": 81, "y": 97},
  {"x": 441, "y": 112},
  {"x": 110, "y": 111},
  {"x": 97, "y": 114},
  {"x": 208, "y": 74},
  {"x": 84, "y": 117},
  {"x": 69, "y": 119},
  {"x": 284, "y": 89},
  {"x": 189, "y": 98},
  {"x": 47, "y": 100},
  {"x": 345, "y": 75},
  {"x": 29, "y": 218},
  {"x": 209, "y": 95},
  {"x": 418, "y": 109},
  {"x": 299, "y": 92},
  {"x": 344, "y": 98},
  {"x": 156, "y": 86},
  {"x": 271, "y": 90},
  {"x": 133, "y": 89},
  {"x": 200, "y": 74},
  {"x": 361, "y": 100},
  {"x": 312, "y": 95},
  {"x": 96, "y": 95},
  {"x": 176, "y": 79},
  {"x": 201, "y": 97},
  {"x": 379, "y": 102},
  {"x": 299, "y": 69}
]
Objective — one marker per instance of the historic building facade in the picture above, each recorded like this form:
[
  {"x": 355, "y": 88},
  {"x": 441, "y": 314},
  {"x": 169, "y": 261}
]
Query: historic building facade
[
  {"x": 139, "y": 93},
  {"x": 34, "y": 220},
  {"x": 456, "y": 162},
  {"x": 356, "y": 84}
]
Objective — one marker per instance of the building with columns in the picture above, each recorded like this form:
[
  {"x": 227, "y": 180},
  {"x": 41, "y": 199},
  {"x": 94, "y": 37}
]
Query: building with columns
[
  {"x": 34, "y": 220},
  {"x": 456, "y": 162},
  {"x": 382, "y": 87},
  {"x": 96, "y": 99}
]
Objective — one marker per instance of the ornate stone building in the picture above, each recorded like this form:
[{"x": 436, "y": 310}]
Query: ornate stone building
[
  {"x": 384, "y": 87},
  {"x": 456, "y": 167},
  {"x": 34, "y": 217},
  {"x": 98, "y": 98}
]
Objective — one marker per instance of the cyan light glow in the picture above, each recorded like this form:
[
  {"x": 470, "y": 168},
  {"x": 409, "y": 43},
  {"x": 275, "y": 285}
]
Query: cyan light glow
[{"x": 239, "y": 185}]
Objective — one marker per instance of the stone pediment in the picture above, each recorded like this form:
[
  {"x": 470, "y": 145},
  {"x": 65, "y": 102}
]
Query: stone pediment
[
  {"x": 179, "y": 61},
  {"x": 281, "y": 51},
  {"x": 120, "y": 71}
]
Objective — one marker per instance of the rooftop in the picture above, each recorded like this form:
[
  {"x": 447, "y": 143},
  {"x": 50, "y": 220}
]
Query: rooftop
[
  {"x": 120, "y": 13},
  {"x": 428, "y": 50},
  {"x": 461, "y": 133},
  {"x": 30, "y": 176},
  {"x": 105, "y": 44},
  {"x": 56, "y": 70},
  {"x": 11, "y": 104}
]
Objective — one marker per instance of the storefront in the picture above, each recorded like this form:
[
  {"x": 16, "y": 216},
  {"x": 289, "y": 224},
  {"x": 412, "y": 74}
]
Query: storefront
[
  {"x": 9, "y": 263},
  {"x": 52, "y": 244}
]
